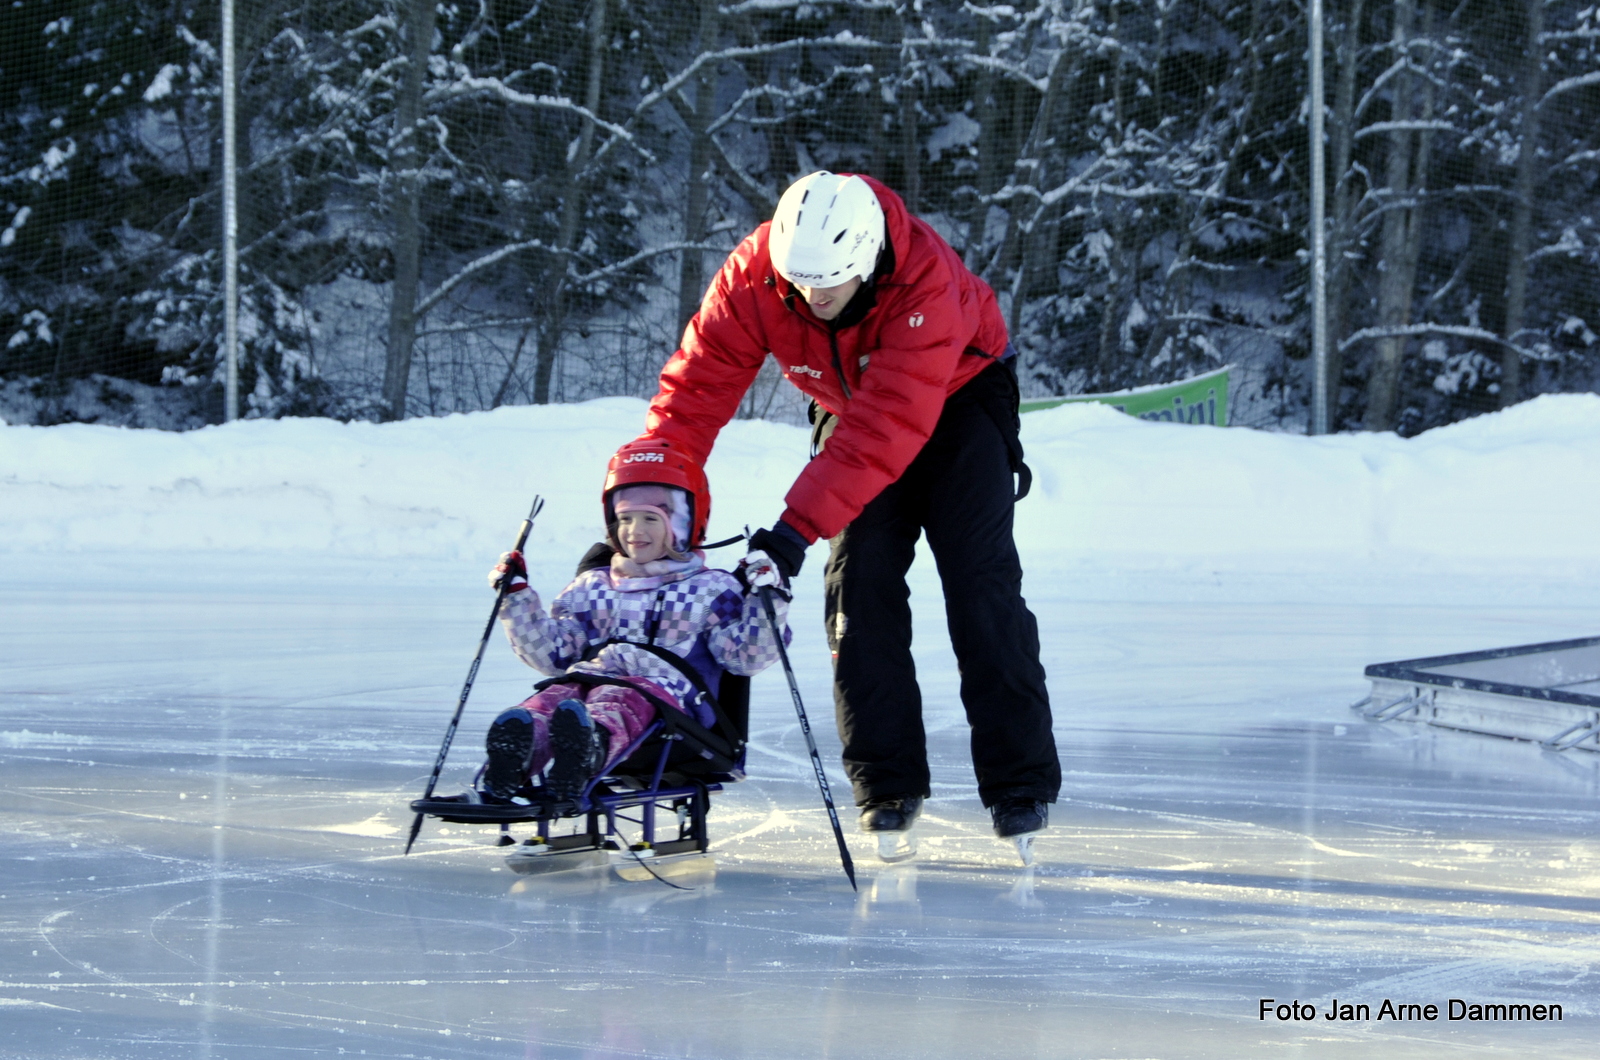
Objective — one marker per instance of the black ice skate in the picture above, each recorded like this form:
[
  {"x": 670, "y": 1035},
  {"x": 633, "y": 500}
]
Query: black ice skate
[
  {"x": 892, "y": 820},
  {"x": 576, "y": 745},
  {"x": 1020, "y": 819}
]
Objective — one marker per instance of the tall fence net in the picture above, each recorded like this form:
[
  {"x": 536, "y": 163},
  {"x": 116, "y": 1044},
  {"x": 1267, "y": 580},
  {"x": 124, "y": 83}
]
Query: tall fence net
[{"x": 455, "y": 206}]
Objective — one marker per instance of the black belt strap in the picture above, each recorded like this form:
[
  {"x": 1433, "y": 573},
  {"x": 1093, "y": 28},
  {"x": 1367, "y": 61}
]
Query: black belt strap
[
  {"x": 720, "y": 755},
  {"x": 729, "y": 731}
]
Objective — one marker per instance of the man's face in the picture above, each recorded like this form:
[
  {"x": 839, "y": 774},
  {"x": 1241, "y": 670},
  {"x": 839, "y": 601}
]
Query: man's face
[{"x": 828, "y": 302}]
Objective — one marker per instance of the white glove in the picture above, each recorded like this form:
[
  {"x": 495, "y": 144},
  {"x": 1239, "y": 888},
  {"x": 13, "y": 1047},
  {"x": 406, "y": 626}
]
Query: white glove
[
  {"x": 510, "y": 566},
  {"x": 758, "y": 571}
]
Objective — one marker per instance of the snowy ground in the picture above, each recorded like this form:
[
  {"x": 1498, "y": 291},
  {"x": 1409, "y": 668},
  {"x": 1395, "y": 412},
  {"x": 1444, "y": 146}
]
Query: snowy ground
[{"x": 206, "y": 759}]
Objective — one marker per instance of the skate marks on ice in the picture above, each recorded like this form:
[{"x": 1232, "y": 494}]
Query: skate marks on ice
[
  {"x": 287, "y": 953},
  {"x": 1195, "y": 864},
  {"x": 1332, "y": 860},
  {"x": 1168, "y": 896},
  {"x": 305, "y": 949},
  {"x": 161, "y": 953}
]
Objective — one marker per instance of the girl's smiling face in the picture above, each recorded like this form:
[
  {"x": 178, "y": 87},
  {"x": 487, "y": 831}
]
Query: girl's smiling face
[{"x": 643, "y": 534}]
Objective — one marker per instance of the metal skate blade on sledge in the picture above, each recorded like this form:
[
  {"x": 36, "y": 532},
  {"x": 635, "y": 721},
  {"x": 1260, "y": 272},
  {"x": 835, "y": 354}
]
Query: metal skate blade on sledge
[
  {"x": 691, "y": 869},
  {"x": 540, "y": 859}
]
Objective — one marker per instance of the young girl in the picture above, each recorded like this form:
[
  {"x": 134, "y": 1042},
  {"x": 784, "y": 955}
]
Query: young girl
[{"x": 655, "y": 592}]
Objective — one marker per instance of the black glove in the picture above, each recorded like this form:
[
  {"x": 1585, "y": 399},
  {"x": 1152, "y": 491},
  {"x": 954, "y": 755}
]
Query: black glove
[
  {"x": 599, "y": 555},
  {"x": 784, "y": 544}
]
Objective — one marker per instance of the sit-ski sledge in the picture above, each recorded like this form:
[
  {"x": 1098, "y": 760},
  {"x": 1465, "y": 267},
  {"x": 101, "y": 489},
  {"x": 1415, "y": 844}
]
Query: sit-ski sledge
[
  {"x": 674, "y": 765},
  {"x": 669, "y": 771}
]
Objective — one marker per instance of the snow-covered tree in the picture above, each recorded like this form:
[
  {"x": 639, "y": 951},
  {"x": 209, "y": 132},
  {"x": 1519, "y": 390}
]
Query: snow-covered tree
[
  {"x": 523, "y": 200},
  {"x": 91, "y": 184}
]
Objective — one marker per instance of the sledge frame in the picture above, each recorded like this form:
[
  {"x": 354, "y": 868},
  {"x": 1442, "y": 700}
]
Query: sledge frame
[
  {"x": 1548, "y": 693},
  {"x": 628, "y": 795}
]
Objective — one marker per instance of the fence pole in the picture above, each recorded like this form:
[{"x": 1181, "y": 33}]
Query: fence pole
[
  {"x": 1319, "y": 251},
  {"x": 230, "y": 221}
]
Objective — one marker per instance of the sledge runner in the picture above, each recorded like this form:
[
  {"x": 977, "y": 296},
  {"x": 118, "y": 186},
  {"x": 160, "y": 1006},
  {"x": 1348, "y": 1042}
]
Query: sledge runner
[
  {"x": 914, "y": 394},
  {"x": 629, "y": 636}
]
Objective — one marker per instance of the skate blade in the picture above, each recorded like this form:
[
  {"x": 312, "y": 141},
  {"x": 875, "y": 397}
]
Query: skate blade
[
  {"x": 897, "y": 846},
  {"x": 1024, "y": 844},
  {"x": 530, "y": 862},
  {"x": 697, "y": 869}
]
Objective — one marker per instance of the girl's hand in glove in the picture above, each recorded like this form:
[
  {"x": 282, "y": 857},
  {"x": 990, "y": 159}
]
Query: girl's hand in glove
[
  {"x": 510, "y": 567},
  {"x": 757, "y": 570}
]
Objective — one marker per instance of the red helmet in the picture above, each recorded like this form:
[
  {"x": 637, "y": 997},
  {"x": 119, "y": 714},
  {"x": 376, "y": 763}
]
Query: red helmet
[{"x": 655, "y": 462}]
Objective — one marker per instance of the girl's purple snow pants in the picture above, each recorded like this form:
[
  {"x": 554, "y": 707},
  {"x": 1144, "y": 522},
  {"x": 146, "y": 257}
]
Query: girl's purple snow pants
[{"x": 623, "y": 712}]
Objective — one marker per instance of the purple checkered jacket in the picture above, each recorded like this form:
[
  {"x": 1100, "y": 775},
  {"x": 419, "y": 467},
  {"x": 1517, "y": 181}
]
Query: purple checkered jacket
[{"x": 700, "y": 614}]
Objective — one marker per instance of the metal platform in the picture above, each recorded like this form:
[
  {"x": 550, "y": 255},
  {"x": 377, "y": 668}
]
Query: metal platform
[{"x": 1548, "y": 693}]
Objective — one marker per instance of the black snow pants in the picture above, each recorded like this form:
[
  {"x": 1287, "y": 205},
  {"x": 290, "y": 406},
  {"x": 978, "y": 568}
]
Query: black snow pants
[{"x": 959, "y": 492}]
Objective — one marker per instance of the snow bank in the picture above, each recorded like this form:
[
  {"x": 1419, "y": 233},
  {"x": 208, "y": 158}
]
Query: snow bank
[
  {"x": 449, "y": 488},
  {"x": 1519, "y": 488},
  {"x": 1514, "y": 488}
]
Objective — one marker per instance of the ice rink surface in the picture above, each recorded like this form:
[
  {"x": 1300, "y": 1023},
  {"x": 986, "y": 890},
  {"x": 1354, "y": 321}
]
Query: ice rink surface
[{"x": 206, "y": 773}]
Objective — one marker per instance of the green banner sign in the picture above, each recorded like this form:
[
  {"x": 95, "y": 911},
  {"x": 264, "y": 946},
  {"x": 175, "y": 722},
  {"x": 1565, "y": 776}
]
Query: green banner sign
[{"x": 1201, "y": 399}]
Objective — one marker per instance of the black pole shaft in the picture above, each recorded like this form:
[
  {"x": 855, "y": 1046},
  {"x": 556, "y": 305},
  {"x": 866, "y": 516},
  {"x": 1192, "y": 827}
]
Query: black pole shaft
[
  {"x": 811, "y": 742},
  {"x": 472, "y": 674}
]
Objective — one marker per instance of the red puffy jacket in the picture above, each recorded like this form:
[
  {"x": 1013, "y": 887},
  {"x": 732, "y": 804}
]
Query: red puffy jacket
[{"x": 934, "y": 326}]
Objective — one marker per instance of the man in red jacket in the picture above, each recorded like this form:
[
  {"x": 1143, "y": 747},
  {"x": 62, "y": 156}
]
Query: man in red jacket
[{"x": 905, "y": 355}]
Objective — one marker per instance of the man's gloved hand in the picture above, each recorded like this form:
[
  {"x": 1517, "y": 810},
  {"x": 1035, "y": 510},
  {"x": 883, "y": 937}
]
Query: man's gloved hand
[
  {"x": 511, "y": 570},
  {"x": 757, "y": 571},
  {"x": 783, "y": 545}
]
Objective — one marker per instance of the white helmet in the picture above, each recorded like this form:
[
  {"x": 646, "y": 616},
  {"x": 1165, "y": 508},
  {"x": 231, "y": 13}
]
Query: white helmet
[{"x": 827, "y": 229}]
